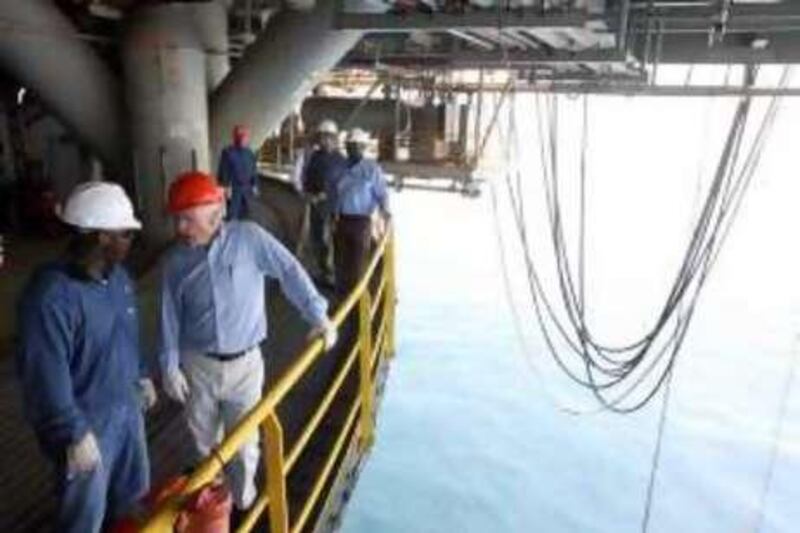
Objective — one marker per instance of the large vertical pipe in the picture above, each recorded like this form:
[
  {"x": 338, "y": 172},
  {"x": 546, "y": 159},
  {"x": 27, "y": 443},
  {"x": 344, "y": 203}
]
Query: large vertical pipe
[
  {"x": 166, "y": 89},
  {"x": 42, "y": 50},
  {"x": 277, "y": 71},
  {"x": 211, "y": 20}
]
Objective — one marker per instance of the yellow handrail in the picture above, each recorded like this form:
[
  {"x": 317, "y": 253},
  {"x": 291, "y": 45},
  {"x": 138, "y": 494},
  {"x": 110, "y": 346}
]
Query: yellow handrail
[
  {"x": 322, "y": 408},
  {"x": 264, "y": 415}
]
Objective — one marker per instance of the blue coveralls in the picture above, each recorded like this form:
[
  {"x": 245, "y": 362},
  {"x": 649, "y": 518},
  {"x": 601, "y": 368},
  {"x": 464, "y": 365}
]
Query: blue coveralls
[
  {"x": 79, "y": 364},
  {"x": 237, "y": 170},
  {"x": 321, "y": 175}
]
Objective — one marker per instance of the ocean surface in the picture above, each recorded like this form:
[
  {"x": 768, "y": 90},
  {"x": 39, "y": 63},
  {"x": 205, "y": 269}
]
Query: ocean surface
[{"x": 473, "y": 431}]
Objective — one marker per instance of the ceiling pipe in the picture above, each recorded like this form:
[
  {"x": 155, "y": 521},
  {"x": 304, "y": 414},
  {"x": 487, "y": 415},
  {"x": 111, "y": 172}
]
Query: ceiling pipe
[
  {"x": 277, "y": 71},
  {"x": 41, "y": 49}
]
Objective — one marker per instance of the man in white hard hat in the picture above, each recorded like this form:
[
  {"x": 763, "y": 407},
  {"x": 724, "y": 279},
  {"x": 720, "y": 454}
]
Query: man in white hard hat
[
  {"x": 83, "y": 379},
  {"x": 325, "y": 165},
  {"x": 360, "y": 193}
]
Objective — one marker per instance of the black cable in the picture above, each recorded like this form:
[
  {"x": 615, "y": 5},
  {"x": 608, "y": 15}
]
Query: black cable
[{"x": 615, "y": 373}]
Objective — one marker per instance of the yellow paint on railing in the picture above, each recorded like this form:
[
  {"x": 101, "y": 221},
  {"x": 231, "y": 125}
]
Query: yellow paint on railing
[
  {"x": 322, "y": 408},
  {"x": 390, "y": 299},
  {"x": 326, "y": 471},
  {"x": 365, "y": 367},
  {"x": 276, "y": 481},
  {"x": 377, "y": 298}
]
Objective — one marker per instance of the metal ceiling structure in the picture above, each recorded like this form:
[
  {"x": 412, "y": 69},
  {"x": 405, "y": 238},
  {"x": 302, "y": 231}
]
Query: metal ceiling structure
[
  {"x": 587, "y": 46},
  {"x": 581, "y": 43}
]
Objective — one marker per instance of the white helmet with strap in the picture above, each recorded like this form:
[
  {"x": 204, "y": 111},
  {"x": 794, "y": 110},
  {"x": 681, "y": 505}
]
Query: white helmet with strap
[
  {"x": 328, "y": 126},
  {"x": 100, "y": 205},
  {"x": 358, "y": 136}
]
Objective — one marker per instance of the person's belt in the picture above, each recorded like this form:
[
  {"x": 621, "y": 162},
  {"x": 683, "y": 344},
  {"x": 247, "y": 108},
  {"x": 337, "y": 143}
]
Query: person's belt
[
  {"x": 355, "y": 218},
  {"x": 228, "y": 356}
]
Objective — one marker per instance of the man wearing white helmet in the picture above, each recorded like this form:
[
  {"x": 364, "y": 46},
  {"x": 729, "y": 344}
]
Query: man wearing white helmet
[
  {"x": 359, "y": 193},
  {"x": 83, "y": 379},
  {"x": 325, "y": 165}
]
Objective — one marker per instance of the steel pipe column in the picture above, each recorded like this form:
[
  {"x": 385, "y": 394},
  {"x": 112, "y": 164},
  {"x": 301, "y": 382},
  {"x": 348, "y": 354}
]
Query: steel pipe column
[
  {"x": 277, "y": 71},
  {"x": 211, "y": 19},
  {"x": 166, "y": 89}
]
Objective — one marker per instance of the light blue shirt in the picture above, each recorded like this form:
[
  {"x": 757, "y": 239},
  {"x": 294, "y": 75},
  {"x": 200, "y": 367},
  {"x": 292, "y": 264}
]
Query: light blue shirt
[
  {"x": 213, "y": 299},
  {"x": 361, "y": 189}
]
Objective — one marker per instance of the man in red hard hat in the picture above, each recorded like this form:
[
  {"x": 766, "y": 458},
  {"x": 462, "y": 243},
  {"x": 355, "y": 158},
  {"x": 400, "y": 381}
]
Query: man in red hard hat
[
  {"x": 238, "y": 173},
  {"x": 213, "y": 317}
]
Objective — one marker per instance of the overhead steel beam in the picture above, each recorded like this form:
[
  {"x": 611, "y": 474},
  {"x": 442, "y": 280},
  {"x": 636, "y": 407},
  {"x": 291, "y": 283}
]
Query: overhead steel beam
[
  {"x": 709, "y": 10},
  {"x": 475, "y": 59},
  {"x": 780, "y": 48},
  {"x": 744, "y": 18},
  {"x": 639, "y": 89},
  {"x": 666, "y": 90},
  {"x": 735, "y": 49},
  {"x": 472, "y": 39},
  {"x": 477, "y": 20}
]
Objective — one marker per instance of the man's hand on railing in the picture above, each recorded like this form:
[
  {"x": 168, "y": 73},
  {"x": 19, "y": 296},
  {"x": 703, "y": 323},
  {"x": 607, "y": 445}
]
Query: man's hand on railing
[{"x": 328, "y": 333}]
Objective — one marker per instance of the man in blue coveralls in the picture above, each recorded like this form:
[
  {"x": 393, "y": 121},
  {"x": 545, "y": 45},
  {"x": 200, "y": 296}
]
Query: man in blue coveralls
[
  {"x": 325, "y": 165},
  {"x": 83, "y": 379},
  {"x": 213, "y": 318},
  {"x": 238, "y": 173}
]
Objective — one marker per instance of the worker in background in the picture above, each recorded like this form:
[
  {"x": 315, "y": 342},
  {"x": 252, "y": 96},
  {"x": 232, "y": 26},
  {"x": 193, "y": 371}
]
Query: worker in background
[
  {"x": 83, "y": 380},
  {"x": 213, "y": 317},
  {"x": 323, "y": 170},
  {"x": 359, "y": 194},
  {"x": 238, "y": 173}
]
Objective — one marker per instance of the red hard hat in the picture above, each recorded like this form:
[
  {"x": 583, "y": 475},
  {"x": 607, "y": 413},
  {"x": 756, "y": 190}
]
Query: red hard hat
[{"x": 192, "y": 189}]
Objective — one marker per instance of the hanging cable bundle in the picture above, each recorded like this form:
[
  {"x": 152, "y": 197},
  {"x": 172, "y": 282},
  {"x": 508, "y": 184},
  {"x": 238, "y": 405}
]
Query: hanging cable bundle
[{"x": 625, "y": 377}]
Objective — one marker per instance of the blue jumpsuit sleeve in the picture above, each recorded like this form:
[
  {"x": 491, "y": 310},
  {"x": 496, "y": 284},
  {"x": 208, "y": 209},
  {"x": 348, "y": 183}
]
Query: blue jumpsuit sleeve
[
  {"x": 275, "y": 261},
  {"x": 47, "y": 335},
  {"x": 169, "y": 352}
]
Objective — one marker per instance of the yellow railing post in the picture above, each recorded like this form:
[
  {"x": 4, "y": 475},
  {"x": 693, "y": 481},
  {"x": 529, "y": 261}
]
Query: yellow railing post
[
  {"x": 276, "y": 482},
  {"x": 389, "y": 295},
  {"x": 365, "y": 367}
]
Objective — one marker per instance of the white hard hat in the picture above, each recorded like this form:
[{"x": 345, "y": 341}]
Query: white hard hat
[
  {"x": 99, "y": 205},
  {"x": 358, "y": 136},
  {"x": 328, "y": 126}
]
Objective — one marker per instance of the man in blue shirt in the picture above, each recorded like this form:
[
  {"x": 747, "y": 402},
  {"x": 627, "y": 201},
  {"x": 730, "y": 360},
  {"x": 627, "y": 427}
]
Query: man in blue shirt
[
  {"x": 359, "y": 193},
  {"x": 325, "y": 165},
  {"x": 238, "y": 173},
  {"x": 83, "y": 380},
  {"x": 213, "y": 317}
]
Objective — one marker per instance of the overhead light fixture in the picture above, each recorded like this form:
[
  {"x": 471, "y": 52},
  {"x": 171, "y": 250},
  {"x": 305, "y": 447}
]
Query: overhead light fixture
[{"x": 21, "y": 95}]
